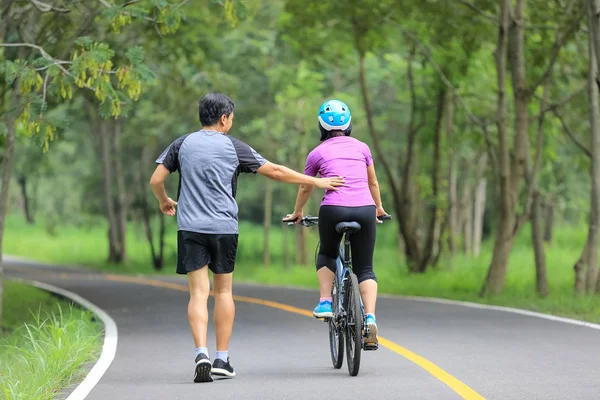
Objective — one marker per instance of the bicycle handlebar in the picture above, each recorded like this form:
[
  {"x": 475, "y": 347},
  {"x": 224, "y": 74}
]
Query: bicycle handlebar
[{"x": 309, "y": 220}]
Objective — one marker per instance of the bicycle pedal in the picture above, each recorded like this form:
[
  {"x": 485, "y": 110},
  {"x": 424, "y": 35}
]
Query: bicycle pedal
[{"x": 370, "y": 346}]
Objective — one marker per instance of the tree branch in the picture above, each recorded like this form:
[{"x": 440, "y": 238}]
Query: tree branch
[
  {"x": 444, "y": 78},
  {"x": 530, "y": 175},
  {"x": 47, "y": 57},
  {"x": 182, "y": 3},
  {"x": 491, "y": 149},
  {"x": 130, "y": 3},
  {"x": 571, "y": 135},
  {"x": 559, "y": 41},
  {"x": 554, "y": 106},
  {"x": 44, "y": 93},
  {"x": 45, "y": 7},
  {"x": 487, "y": 16}
]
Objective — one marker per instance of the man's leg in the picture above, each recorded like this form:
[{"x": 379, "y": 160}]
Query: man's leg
[
  {"x": 223, "y": 253},
  {"x": 224, "y": 310},
  {"x": 199, "y": 286}
]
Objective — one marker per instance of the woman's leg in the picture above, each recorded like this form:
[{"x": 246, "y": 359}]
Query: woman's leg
[
  {"x": 326, "y": 260},
  {"x": 325, "y": 281},
  {"x": 363, "y": 247},
  {"x": 368, "y": 292}
]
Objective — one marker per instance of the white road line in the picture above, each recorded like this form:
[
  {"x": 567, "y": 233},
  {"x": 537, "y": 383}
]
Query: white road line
[
  {"x": 496, "y": 308},
  {"x": 109, "y": 347}
]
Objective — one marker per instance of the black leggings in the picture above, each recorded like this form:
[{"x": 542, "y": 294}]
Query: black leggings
[{"x": 362, "y": 242}]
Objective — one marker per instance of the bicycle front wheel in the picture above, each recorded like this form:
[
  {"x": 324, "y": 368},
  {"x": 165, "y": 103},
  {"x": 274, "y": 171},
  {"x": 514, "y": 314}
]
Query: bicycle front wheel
[
  {"x": 336, "y": 336},
  {"x": 354, "y": 323}
]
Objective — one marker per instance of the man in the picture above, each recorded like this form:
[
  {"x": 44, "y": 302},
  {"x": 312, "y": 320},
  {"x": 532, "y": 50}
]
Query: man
[{"x": 208, "y": 162}]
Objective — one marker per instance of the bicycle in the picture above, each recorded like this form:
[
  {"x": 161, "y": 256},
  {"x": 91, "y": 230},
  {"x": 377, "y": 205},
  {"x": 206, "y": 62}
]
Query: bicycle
[{"x": 347, "y": 304}]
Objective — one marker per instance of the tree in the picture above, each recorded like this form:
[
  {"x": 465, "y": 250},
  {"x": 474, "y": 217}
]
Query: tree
[
  {"x": 512, "y": 162},
  {"x": 41, "y": 70}
]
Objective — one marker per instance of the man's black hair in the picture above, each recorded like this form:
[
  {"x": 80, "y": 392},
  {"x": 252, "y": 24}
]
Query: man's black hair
[{"x": 213, "y": 106}]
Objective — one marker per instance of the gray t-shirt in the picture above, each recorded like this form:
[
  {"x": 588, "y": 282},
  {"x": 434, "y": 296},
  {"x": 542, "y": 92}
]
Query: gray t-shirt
[{"x": 209, "y": 163}]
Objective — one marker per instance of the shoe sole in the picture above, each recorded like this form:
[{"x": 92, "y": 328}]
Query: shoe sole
[
  {"x": 203, "y": 372},
  {"x": 323, "y": 315},
  {"x": 223, "y": 372},
  {"x": 371, "y": 341}
]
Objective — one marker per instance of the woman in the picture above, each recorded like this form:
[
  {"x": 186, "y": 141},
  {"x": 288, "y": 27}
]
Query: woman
[{"x": 358, "y": 200}]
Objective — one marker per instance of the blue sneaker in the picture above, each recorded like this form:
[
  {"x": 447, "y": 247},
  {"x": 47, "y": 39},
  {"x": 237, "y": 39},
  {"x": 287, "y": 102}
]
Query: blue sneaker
[
  {"x": 371, "y": 341},
  {"x": 323, "y": 310}
]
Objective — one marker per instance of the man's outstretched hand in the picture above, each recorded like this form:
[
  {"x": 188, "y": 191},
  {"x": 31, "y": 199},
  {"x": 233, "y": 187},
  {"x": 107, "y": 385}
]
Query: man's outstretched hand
[
  {"x": 330, "y": 183},
  {"x": 168, "y": 207}
]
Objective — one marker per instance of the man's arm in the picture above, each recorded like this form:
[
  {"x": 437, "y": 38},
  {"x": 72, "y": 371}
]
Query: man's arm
[
  {"x": 157, "y": 182},
  {"x": 284, "y": 174}
]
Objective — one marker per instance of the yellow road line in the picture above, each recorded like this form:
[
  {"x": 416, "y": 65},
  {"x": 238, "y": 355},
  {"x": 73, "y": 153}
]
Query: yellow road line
[{"x": 457, "y": 386}]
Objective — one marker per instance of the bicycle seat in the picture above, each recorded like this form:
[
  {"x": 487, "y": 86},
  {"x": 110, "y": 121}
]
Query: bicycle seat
[{"x": 347, "y": 227}]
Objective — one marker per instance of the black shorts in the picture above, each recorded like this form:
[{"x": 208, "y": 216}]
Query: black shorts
[{"x": 195, "y": 250}]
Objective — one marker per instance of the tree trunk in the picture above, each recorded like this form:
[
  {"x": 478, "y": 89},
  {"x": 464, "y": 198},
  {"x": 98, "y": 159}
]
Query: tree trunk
[
  {"x": 267, "y": 221},
  {"x": 538, "y": 246},
  {"x": 301, "y": 233},
  {"x": 594, "y": 48},
  {"x": 160, "y": 261},
  {"x": 579, "y": 268},
  {"x": 548, "y": 221},
  {"x": 157, "y": 260},
  {"x": 26, "y": 207},
  {"x": 468, "y": 207},
  {"x": 594, "y": 35},
  {"x": 122, "y": 205},
  {"x": 480, "y": 197},
  {"x": 114, "y": 251},
  {"x": 494, "y": 281},
  {"x": 286, "y": 248},
  {"x": 433, "y": 208},
  {"x": 405, "y": 202},
  {"x": 401, "y": 208},
  {"x": 510, "y": 175},
  {"x": 301, "y": 256},
  {"x": 7, "y": 166},
  {"x": 452, "y": 182}
]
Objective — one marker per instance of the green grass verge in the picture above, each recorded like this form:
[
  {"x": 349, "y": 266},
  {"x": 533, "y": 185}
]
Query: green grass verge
[
  {"x": 458, "y": 278},
  {"x": 45, "y": 344}
]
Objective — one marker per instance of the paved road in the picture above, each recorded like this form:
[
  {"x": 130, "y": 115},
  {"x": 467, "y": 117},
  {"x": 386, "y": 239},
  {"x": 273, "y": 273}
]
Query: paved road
[{"x": 280, "y": 355}]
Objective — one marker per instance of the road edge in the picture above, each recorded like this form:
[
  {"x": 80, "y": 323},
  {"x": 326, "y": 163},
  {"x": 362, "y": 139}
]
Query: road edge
[
  {"x": 109, "y": 347},
  {"x": 512, "y": 310}
]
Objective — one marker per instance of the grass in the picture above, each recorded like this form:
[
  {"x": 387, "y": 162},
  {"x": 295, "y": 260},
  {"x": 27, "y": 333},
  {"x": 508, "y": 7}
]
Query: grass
[
  {"x": 458, "y": 278},
  {"x": 46, "y": 343}
]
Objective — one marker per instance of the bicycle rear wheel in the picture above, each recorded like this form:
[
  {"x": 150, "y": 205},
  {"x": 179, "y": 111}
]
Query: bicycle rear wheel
[
  {"x": 336, "y": 336},
  {"x": 354, "y": 324}
]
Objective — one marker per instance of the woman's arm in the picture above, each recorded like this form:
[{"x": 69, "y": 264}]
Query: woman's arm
[
  {"x": 304, "y": 192},
  {"x": 374, "y": 188}
]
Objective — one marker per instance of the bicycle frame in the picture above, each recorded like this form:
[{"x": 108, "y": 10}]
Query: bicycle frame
[{"x": 343, "y": 270}]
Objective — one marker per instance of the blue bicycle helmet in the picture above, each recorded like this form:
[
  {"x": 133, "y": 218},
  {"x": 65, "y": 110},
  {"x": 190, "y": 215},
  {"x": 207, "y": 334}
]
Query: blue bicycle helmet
[{"x": 334, "y": 115}]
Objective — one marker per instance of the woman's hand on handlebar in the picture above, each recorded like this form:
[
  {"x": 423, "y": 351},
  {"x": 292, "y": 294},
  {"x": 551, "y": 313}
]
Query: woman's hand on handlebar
[
  {"x": 294, "y": 217},
  {"x": 380, "y": 213}
]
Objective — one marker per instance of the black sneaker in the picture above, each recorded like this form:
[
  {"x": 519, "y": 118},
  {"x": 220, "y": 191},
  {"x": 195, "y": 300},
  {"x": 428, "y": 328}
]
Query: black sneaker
[
  {"x": 203, "y": 368},
  {"x": 222, "y": 368}
]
